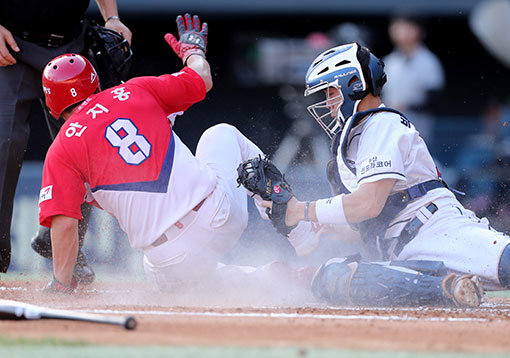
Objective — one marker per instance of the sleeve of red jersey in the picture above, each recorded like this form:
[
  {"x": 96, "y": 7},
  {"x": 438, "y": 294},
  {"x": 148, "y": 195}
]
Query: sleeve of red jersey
[
  {"x": 175, "y": 92},
  {"x": 62, "y": 189}
]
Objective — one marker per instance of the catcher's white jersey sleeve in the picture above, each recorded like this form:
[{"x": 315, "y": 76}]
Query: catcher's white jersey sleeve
[{"x": 387, "y": 146}]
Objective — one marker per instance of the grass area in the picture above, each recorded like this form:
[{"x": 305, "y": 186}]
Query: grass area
[
  {"x": 214, "y": 352},
  {"x": 53, "y": 348}
]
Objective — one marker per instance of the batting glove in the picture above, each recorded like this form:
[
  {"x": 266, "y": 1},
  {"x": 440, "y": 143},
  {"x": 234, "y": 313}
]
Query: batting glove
[{"x": 192, "y": 40}]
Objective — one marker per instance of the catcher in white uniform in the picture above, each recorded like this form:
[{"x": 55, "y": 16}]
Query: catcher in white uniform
[{"x": 386, "y": 185}]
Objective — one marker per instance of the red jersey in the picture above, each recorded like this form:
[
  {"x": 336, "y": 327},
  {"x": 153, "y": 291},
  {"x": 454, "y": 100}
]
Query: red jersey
[{"x": 119, "y": 150}]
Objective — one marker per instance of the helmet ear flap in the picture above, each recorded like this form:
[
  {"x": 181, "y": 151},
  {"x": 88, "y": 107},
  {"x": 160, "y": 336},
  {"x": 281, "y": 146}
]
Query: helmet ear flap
[{"x": 377, "y": 77}]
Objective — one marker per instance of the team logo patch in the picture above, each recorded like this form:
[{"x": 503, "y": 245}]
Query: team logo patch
[
  {"x": 277, "y": 189},
  {"x": 375, "y": 164},
  {"x": 46, "y": 193}
]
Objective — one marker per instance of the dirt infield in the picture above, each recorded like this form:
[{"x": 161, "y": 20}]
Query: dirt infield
[{"x": 167, "y": 320}]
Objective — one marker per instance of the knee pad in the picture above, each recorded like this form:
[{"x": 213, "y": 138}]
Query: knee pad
[
  {"x": 219, "y": 128},
  {"x": 504, "y": 267},
  {"x": 331, "y": 282}
]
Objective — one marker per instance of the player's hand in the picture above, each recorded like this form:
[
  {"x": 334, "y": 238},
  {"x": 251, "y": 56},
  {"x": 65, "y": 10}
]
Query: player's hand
[
  {"x": 6, "y": 38},
  {"x": 55, "y": 286},
  {"x": 192, "y": 39},
  {"x": 117, "y": 26}
]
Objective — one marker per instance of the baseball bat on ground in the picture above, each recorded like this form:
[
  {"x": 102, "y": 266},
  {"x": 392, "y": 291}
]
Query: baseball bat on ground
[{"x": 14, "y": 310}]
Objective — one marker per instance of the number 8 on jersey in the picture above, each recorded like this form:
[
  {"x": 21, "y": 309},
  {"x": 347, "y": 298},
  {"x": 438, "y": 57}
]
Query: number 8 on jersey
[{"x": 134, "y": 148}]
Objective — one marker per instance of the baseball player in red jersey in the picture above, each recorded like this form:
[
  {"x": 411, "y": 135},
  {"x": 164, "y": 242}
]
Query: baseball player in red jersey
[{"x": 118, "y": 151}]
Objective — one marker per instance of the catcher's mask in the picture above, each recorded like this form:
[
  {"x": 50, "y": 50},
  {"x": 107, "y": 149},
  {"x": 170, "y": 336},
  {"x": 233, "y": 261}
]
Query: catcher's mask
[
  {"x": 354, "y": 72},
  {"x": 110, "y": 53}
]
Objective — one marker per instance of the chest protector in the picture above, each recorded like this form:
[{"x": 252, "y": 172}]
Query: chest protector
[{"x": 372, "y": 230}]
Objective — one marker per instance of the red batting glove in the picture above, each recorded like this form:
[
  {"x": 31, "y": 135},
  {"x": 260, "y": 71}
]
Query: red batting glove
[{"x": 192, "y": 40}]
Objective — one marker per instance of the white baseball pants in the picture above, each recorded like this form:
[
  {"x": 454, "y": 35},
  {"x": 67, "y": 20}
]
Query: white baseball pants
[
  {"x": 197, "y": 242},
  {"x": 465, "y": 243}
]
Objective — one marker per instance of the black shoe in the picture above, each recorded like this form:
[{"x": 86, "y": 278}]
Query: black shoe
[
  {"x": 82, "y": 271},
  {"x": 41, "y": 243}
]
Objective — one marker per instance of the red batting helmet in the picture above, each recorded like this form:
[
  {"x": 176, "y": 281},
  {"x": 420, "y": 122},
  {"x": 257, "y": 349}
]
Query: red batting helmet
[{"x": 68, "y": 79}]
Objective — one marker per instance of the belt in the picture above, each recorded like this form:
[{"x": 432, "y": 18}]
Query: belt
[
  {"x": 418, "y": 190},
  {"x": 412, "y": 227},
  {"x": 162, "y": 239},
  {"x": 46, "y": 39}
]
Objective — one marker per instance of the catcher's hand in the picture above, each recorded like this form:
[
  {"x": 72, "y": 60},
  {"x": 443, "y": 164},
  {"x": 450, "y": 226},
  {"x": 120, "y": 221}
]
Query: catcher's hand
[
  {"x": 192, "y": 40},
  {"x": 260, "y": 176}
]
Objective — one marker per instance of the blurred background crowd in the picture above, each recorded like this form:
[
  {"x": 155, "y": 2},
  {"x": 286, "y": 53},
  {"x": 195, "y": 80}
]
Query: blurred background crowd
[{"x": 448, "y": 70}]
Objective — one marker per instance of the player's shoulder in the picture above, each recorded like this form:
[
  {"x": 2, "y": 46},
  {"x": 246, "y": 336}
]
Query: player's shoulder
[
  {"x": 147, "y": 81},
  {"x": 61, "y": 146},
  {"x": 385, "y": 117},
  {"x": 386, "y": 123}
]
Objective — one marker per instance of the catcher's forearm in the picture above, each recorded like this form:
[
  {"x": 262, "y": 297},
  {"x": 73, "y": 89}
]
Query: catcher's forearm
[
  {"x": 365, "y": 203},
  {"x": 296, "y": 211}
]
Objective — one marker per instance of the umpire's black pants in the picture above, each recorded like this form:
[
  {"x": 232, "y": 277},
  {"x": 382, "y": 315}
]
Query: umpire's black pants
[{"x": 20, "y": 86}]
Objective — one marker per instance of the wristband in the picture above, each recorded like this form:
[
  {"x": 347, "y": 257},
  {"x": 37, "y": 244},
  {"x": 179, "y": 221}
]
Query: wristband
[
  {"x": 307, "y": 205},
  {"x": 112, "y": 18},
  {"x": 190, "y": 52},
  {"x": 331, "y": 211}
]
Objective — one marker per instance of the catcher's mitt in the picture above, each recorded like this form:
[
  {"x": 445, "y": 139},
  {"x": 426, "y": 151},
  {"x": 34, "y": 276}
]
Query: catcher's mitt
[{"x": 262, "y": 177}]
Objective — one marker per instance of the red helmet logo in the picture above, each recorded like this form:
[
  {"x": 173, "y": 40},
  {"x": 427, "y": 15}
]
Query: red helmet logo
[
  {"x": 68, "y": 79},
  {"x": 276, "y": 189}
]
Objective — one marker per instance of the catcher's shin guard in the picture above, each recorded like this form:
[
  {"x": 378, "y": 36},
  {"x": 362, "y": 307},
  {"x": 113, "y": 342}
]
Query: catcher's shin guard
[
  {"x": 41, "y": 243},
  {"x": 368, "y": 284},
  {"x": 504, "y": 268}
]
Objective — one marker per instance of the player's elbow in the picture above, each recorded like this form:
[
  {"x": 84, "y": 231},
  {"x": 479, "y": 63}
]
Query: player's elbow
[
  {"x": 208, "y": 82},
  {"x": 64, "y": 225},
  {"x": 367, "y": 206},
  {"x": 373, "y": 209},
  {"x": 373, "y": 197}
]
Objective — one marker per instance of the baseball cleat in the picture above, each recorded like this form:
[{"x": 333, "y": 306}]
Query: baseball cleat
[
  {"x": 83, "y": 273},
  {"x": 41, "y": 243},
  {"x": 464, "y": 291}
]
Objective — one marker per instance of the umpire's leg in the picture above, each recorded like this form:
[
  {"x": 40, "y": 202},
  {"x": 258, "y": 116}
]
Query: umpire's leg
[{"x": 17, "y": 91}]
